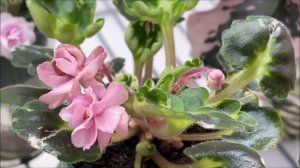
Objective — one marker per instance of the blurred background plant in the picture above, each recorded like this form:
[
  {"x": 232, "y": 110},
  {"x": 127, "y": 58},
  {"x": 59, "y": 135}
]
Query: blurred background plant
[
  {"x": 17, "y": 28},
  {"x": 16, "y": 25}
]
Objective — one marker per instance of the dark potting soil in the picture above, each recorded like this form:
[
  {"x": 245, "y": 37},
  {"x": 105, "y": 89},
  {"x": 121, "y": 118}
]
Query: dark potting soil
[{"x": 122, "y": 154}]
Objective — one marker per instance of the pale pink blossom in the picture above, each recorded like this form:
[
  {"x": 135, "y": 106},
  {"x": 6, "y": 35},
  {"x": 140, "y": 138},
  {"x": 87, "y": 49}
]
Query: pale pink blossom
[
  {"x": 64, "y": 72},
  {"x": 15, "y": 31},
  {"x": 102, "y": 119},
  {"x": 77, "y": 111}
]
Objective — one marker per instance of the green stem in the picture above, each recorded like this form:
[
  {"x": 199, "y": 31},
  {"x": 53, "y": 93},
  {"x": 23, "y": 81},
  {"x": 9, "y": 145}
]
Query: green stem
[
  {"x": 119, "y": 138},
  {"x": 138, "y": 68},
  {"x": 236, "y": 83},
  {"x": 202, "y": 136},
  {"x": 138, "y": 160},
  {"x": 168, "y": 37},
  {"x": 148, "y": 70}
]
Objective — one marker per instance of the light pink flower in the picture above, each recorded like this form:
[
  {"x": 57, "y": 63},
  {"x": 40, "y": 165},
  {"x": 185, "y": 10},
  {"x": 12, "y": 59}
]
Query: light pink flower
[
  {"x": 65, "y": 71},
  {"x": 15, "y": 31},
  {"x": 102, "y": 119}
]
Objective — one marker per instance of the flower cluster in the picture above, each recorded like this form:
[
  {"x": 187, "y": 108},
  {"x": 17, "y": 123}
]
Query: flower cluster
[
  {"x": 94, "y": 112},
  {"x": 15, "y": 31}
]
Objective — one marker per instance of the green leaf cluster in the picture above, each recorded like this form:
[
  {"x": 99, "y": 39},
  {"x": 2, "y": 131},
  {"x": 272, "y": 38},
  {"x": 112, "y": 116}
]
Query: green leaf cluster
[{"x": 67, "y": 21}]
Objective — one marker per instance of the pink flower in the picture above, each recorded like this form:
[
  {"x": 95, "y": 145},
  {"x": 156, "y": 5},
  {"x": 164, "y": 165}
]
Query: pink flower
[
  {"x": 65, "y": 71},
  {"x": 15, "y": 31},
  {"x": 102, "y": 119}
]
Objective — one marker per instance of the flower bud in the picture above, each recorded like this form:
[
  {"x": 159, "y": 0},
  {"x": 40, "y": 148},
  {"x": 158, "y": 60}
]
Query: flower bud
[{"x": 215, "y": 79}]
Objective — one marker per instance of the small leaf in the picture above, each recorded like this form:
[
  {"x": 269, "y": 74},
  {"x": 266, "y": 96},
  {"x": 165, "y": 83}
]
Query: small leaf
[
  {"x": 194, "y": 98},
  {"x": 144, "y": 39},
  {"x": 44, "y": 130},
  {"x": 154, "y": 95},
  {"x": 217, "y": 154},
  {"x": 268, "y": 133},
  {"x": 127, "y": 80},
  {"x": 18, "y": 95},
  {"x": 230, "y": 106},
  {"x": 166, "y": 82},
  {"x": 176, "y": 103},
  {"x": 30, "y": 57},
  {"x": 118, "y": 64}
]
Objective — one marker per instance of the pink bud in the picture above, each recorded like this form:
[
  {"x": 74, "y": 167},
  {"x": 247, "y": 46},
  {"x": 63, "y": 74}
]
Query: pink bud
[{"x": 215, "y": 79}]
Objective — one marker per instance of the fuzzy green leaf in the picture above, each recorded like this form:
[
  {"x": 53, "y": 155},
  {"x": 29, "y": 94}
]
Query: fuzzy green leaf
[
  {"x": 212, "y": 118},
  {"x": 18, "y": 95},
  {"x": 30, "y": 57},
  {"x": 216, "y": 154},
  {"x": 230, "y": 106},
  {"x": 194, "y": 98},
  {"x": 268, "y": 132},
  {"x": 45, "y": 130},
  {"x": 259, "y": 48},
  {"x": 118, "y": 64}
]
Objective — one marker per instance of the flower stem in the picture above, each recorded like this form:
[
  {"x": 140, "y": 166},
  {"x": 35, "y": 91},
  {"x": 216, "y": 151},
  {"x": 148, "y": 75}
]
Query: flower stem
[
  {"x": 162, "y": 162},
  {"x": 148, "y": 70},
  {"x": 168, "y": 37},
  {"x": 202, "y": 136},
  {"x": 118, "y": 138},
  {"x": 138, "y": 68},
  {"x": 138, "y": 160}
]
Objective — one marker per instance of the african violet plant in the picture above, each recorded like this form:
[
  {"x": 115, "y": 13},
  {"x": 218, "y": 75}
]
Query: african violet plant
[{"x": 89, "y": 106}]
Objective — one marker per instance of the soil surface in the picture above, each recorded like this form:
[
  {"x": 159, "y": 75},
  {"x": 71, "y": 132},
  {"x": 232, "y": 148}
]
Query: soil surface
[{"x": 122, "y": 154}]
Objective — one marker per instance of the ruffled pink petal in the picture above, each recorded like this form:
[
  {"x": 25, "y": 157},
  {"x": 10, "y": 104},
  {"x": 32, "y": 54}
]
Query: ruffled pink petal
[
  {"x": 108, "y": 120},
  {"x": 48, "y": 75},
  {"x": 70, "y": 53},
  {"x": 66, "y": 66},
  {"x": 115, "y": 95},
  {"x": 85, "y": 135},
  {"x": 58, "y": 95},
  {"x": 103, "y": 139},
  {"x": 75, "y": 52},
  {"x": 96, "y": 86},
  {"x": 97, "y": 52},
  {"x": 78, "y": 116},
  {"x": 66, "y": 113},
  {"x": 93, "y": 63},
  {"x": 122, "y": 127}
]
